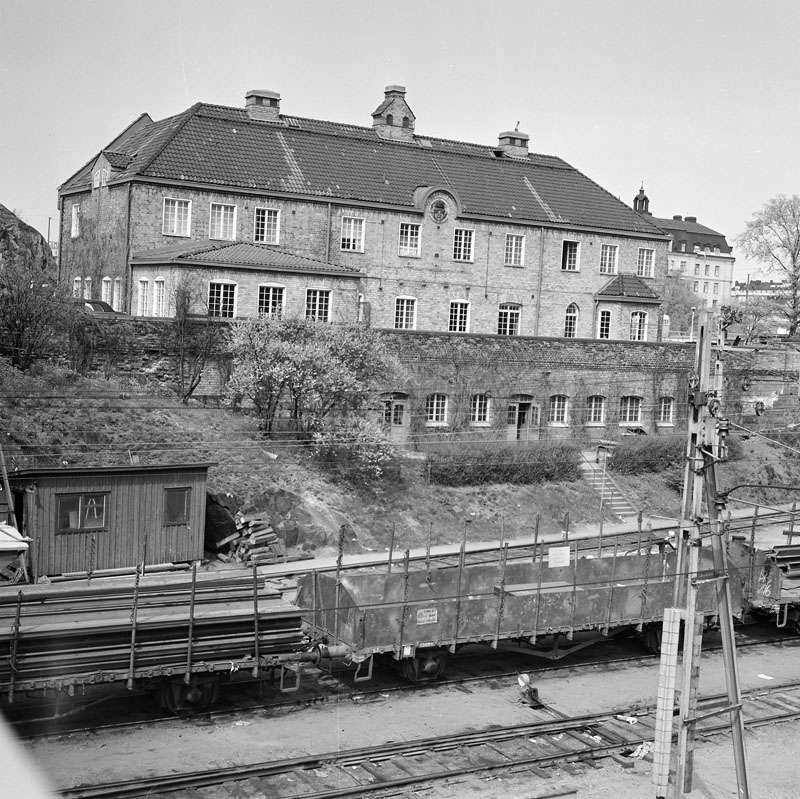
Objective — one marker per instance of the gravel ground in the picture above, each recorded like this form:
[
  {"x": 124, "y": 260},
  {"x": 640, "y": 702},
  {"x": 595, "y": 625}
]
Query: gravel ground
[{"x": 186, "y": 744}]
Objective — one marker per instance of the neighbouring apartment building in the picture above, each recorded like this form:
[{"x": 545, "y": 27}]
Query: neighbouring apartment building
[{"x": 697, "y": 254}]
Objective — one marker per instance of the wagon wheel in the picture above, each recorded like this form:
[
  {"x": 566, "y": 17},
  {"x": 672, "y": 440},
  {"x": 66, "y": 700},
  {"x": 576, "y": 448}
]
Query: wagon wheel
[
  {"x": 176, "y": 695},
  {"x": 424, "y": 667},
  {"x": 651, "y": 636}
]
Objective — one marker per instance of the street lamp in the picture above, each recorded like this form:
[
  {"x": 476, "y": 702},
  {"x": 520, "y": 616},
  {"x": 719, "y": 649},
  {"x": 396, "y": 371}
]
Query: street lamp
[{"x": 691, "y": 327}]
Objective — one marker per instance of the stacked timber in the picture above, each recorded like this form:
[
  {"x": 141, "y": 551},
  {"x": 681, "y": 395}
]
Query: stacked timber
[{"x": 254, "y": 542}]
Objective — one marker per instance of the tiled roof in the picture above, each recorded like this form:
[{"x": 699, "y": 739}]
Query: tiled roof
[
  {"x": 117, "y": 160},
  {"x": 239, "y": 254},
  {"x": 222, "y": 146},
  {"x": 628, "y": 287},
  {"x": 693, "y": 233}
]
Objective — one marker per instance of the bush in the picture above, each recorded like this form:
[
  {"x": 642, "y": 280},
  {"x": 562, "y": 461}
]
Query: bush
[
  {"x": 479, "y": 464},
  {"x": 357, "y": 449},
  {"x": 646, "y": 454}
]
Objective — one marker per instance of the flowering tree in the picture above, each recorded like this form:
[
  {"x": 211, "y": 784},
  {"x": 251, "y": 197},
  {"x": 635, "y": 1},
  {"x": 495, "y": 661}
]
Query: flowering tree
[{"x": 311, "y": 368}]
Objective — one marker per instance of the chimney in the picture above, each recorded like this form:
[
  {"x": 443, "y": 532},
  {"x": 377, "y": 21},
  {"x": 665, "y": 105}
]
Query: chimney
[
  {"x": 677, "y": 217},
  {"x": 691, "y": 219},
  {"x": 393, "y": 119},
  {"x": 513, "y": 144},
  {"x": 263, "y": 105}
]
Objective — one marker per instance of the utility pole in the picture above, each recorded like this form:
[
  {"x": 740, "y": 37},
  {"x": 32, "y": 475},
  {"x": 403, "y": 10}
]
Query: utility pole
[{"x": 705, "y": 447}]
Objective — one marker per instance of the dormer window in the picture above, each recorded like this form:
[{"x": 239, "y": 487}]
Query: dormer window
[
  {"x": 406, "y": 122},
  {"x": 389, "y": 119}
]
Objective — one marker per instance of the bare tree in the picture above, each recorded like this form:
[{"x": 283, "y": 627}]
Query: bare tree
[{"x": 772, "y": 237}]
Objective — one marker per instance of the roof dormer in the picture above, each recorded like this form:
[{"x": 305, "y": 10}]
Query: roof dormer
[
  {"x": 513, "y": 143},
  {"x": 393, "y": 119}
]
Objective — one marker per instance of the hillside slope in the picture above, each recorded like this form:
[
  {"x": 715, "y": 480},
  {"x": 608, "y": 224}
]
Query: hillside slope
[{"x": 53, "y": 417}]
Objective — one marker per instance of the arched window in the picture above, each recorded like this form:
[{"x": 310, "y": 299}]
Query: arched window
[
  {"x": 105, "y": 290},
  {"x": 638, "y": 326},
  {"x": 77, "y": 285},
  {"x": 143, "y": 307},
  {"x": 630, "y": 410},
  {"x": 406, "y": 122},
  {"x": 571, "y": 321},
  {"x": 159, "y": 296},
  {"x": 596, "y": 409},
  {"x": 87, "y": 288},
  {"x": 389, "y": 119}
]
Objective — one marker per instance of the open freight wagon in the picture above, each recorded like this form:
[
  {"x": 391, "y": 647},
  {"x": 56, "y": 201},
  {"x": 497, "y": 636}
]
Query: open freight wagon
[{"x": 421, "y": 611}]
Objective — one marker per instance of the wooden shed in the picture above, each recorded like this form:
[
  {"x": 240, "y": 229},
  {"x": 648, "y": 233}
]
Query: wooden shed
[{"x": 87, "y": 519}]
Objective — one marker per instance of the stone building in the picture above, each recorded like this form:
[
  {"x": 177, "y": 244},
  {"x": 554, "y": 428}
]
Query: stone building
[{"x": 444, "y": 236}]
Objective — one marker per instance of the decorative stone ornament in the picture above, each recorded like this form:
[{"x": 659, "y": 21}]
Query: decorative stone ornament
[{"x": 439, "y": 210}]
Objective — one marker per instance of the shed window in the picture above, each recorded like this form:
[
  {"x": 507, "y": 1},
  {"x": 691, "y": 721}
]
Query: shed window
[
  {"x": 78, "y": 512},
  {"x": 176, "y": 505}
]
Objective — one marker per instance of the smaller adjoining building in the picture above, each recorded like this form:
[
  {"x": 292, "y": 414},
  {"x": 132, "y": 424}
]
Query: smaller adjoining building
[
  {"x": 697, "y": 254},
  {"x": 89, "y": 519}
]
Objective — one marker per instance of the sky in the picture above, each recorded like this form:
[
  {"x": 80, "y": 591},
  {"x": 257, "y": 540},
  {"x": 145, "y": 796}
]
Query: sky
[{"x": 697, "y": 100}]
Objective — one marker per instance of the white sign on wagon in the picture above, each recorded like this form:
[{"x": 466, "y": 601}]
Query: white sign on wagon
[{"x": 558, "y": 556}]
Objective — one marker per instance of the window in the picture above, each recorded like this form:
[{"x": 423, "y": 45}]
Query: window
[
  {"x": 222, "y": 222},
  {"x": 515, "y": 250},
  {"x": 644, "y": 265},
  {"x": 117, "y": 304},
  {"x": 638, "y": 326},
  {"x": 266, "y": 228},
  {"x": 436, "y": 409},
  {"x": 683, "y": 267},
  {"x": 177, "y": 215},
  {"x": 105, "y": 290},
  {"x": 409, "y": 239},
  {"x": 696, "y": 286},
  {"x": 630, "y": 410},
  {"x": 569, "y": 256},
  {"x": 352, "y": 234},
  {"x": 87, "y": 288},
  {"x": 715, "y": 288},
  {"x": 459, "y": 317},
  {"x": 665, "y": 406},
  {"x": 159, "y": 296},
  {"x": 705, "y": 288},
  {"x": 221, "y": 299},
  {"x": 77, "y": 286},
  {"x": 604, "y": 325},
  {"x": 270, "y": 300},
  {"x": 96, "y": 179},
  {"x": 608, "y": 259},
  {"x": 716, "y": 270},
  {"x": 683, "y": 246},
  {"x": 596, "y": 410},
  {"x": 405, "y": 313},
  {"x": 479, "y": 409},
  {"x": 78, "y": 512},
  {"x": 571, "y": 321},
  {"x": 176, "y": 505},
  {"x": 462, "y": 244},
  {"x": 707, "y": 270},
  {"x": 508, "y": 319},
  {"x": 144, "y": 297},
  {"x": 557, "y": 410},
  {"x": 75, "y": 228},
  {"x": 318, "y": 305},
  {"x": 103, "y": 177},
  {"x": 697, "y": 270}
]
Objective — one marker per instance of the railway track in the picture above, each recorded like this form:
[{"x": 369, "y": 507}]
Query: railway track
[{"x": 530, "y": 749}]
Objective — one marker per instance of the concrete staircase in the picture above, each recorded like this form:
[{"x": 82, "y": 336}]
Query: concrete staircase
[{"x": 613, "y": 499}]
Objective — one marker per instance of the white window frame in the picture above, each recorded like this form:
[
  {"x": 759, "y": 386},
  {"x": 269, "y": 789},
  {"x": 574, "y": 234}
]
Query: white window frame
[
  {"x": 459, "y": 306},
  {"x": 77, "y": 286},
  {"x": 596, "y": 410},
  {"x": 406, "y": 246},
  {"x": 645, "y": 262},
  {"x": 604, "y": 321},
  {"x": 312, "y": 307},
  {"x": 261, "y": 237},
  {"x": 159, "y": 297},
  {"x": 352, "y": 235},
  {"x": 514, "y": 253},
  {"x": 87, "y": 288},
  {"x": 557, "y": 410},
  {"x": 509, "y": 317},
  {"x": 568, "y": 263},
  {"x": 143, "y": 298},
  {"x": 75, "y": 223},
  {"x": 464, "y": 244},
  {"x": 104, "y": 176},
  {"x": 638, "y": 330},
  {"x": 105, "y": 290},
  {"x": 609, "y": 254},
  {"x": 117, "y": 303},
  {"x": 571, "y": 320},
  {"x": 228, "y": 297},
  {"x": 630, "y": 410},
  {"x": 479, "y": 410},
  {"x": 222, "y": 221},
  {"x": 174, "y": 217},
  {"x": 666, "y": 411},
  {"x": 96, "y": 179},
  {"x": 405, "y": 313},
  {"x": 436, "y": 410},
  {"x": 272, "y": 289}
]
